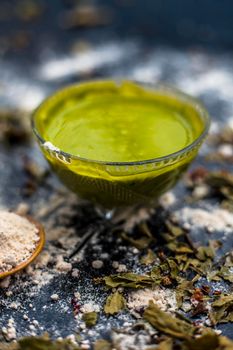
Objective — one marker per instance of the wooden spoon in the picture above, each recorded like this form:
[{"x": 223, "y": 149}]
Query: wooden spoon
[{"x": 38, "y": 248}]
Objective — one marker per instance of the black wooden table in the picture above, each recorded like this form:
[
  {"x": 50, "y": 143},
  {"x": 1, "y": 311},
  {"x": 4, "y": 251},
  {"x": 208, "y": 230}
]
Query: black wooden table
[{"x": 29, "y": 71}]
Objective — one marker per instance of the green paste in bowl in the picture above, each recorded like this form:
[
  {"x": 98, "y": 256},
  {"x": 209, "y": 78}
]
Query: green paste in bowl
[{"x": 120, "y": 143}]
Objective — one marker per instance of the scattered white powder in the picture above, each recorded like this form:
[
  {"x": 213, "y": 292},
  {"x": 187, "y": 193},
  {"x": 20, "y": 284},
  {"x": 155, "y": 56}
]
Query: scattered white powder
[
  {"x": 186, "y": 306},
  {"x": 115, "y": 264},
  {"x": 200, "y": 191},
  {"x": 10, "y": 331},
  {"x": 225, "y": 150},
  {"x": 22, "y": 209},
  {"x": 32, "y": 327},
  {"x": 43, "y": 259},
  {"x": 97, "y": 264},
  {"x": 9, "y": 293},
  {"x": 104, "y": 256},
  {"x": 129, "y": 341},
  {"x": 49, "y": 146},
  {"x": 230, "y": 123},
  {"x": 132, "y": 217},
  {"x": 39, "y": 276},
  {"x": 62, "y": 265},
  {"x": 136, "y": 218},
  {"x": 77, "y": 295},
  {"x": 213, "y": 220},
  {"x": 5, "y": 282},
  {"x": 135, "y": 251},
  {"x": 75, "y": 273},
  {"x": 18, "y": 239},
  {"x": 168, "y": 199},
  {"x": 163, "y": 298},
  {"x": 210, "y": 80},
  {"x": 72, "y": 338},
  {"x": 81, "y": 62},
  {"x": 90, "y": 307},
  {"x": 54, "y": 297},
  {"x": 14, "y": 305},
  {"x": 121, "y": 268}
]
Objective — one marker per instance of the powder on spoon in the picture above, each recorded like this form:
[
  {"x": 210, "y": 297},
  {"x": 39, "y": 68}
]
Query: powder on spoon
[{"x": 18, "y": 239}]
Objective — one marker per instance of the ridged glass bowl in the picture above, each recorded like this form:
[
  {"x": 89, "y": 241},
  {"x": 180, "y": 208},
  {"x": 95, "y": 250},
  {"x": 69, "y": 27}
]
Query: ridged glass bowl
[{"x": 117, "y": 184}]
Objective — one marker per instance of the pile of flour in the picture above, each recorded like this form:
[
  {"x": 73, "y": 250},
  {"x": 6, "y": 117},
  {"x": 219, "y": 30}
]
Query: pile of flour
[{"x": 18, "y": 239}]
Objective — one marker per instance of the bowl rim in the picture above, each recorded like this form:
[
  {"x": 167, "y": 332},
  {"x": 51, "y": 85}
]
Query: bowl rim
[{"x": 157, "y": 86}]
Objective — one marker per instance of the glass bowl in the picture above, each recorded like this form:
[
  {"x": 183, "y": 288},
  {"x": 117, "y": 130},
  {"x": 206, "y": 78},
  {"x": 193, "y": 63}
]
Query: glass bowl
[{"x": 117, "y": 184}]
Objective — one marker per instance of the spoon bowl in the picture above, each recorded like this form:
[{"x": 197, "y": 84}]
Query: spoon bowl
[{"x": 36, "y": 252}]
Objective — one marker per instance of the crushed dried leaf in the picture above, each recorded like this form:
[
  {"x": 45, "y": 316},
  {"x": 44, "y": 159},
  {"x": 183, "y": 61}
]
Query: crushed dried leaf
[
  {"x": 115, "y": 302},
  {"x": 168, "y": 324},
  {"x": 90, "y": 318}
]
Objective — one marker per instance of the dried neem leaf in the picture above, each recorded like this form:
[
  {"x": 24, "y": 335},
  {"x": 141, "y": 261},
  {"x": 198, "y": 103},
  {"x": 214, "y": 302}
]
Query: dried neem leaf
[
  {"x": 33, "y": 170},
  {"x": 206, "y": 341},
  {"x": 223, "y": 309},
  {"x": 221, "y": 183},
  {"x": 149, "y": 258},
  {"x": 140, "y": 243},
  {"x": 174, "y": 269},
  {"x": 224, "y": 273},
  {"x": 102, "y": 344},
  {"x": 173, "y": 244},
  {"x": 174, "y": 231},
  {"x": 28, "y": 10},
  {"x": 167, "y": 271},
  {"x": 14, "y": 128},
  {"x": 90, "y": 318},
  {"x": 131, "y": 280},
  {"x": 227, "y": 192},
  {"x": 193, "y": 263},
  {"x": 143, "y": 241},
  {"x": 225, "y": 343},
  {"x": 144, "y": 229},
  {"x": 219, "y": 157},
  {"x": 43, "y": 343},
  {"x": 114, "y": 303},
  {"x": 182, "y": 260},
  {"x": 224, "y": 136},
  {"x": 12, "y": 346},
  {"x": 156, "y": 274},
  {"x": 223, "y": 300},
  {"x": 183, "y": 289},
  {"x": 210, "y": 341},
  {"x": 128, "y": 280},
  {"x": 85, "y": 16},
  {"x": 168, "y": 324},
  {"x": 180, "y": 247},
  {"x": 203, "y": 267},
  {"x": 228, "y": 205},
  {"x": 166, "y": 344},
  {"x": 220, "y": 179},
  {"x": 204, "y": 253}
]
